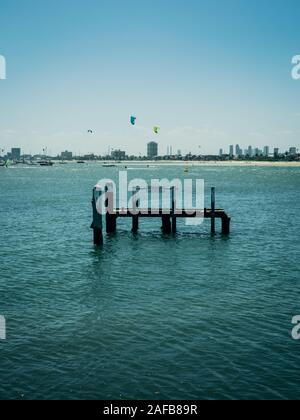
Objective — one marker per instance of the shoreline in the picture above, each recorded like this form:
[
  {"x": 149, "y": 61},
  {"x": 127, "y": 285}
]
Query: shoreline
[
  {"x": 209, "y": 163},
  {"x": 187, "y": 164}
]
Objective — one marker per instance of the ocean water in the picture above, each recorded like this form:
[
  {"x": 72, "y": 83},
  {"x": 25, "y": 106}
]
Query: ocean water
[{"x": 149, "y": 316}]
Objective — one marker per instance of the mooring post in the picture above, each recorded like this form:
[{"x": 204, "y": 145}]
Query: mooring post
[
  {"x": 166, "y": 224},
  {"x": 226, "y": 225},
  {"x": 213, "y": 209},
  {"x": 97, "y": 224},
  {"x": 174, "y": 219},
  {"x": 135, "y": 217},
  {"x": 111, "y": 223},
  {"x": 111, "y": 217},
  {"x": 166, "y": 216}
]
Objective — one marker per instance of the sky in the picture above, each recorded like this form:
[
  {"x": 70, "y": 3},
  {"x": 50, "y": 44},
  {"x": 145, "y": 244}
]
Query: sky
[{"x": 209, "y": 73}]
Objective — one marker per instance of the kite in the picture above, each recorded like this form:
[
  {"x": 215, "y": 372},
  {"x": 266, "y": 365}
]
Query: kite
[
  {"x": 156, "y": 130},
  {"x": 90, "y": 131},
  {"x": 132, "y": 120}
]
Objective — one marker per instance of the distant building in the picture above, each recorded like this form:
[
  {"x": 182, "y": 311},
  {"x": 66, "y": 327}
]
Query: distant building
[
  {"x": 231, "y": 151},
  {"x": 238, "y": 151},
  {"x": 266, "y": 151},
  {"x": 118, "y": 155},
  {"x": 66, "y": 155},
  {"x": 258, "y": 152},
  {"x": 276, "y": 152},
  {"x": 89, "y": 157},
  {"x": 250, "y": 151},
  {"x": 15, "y": 153},
  {"x": 152, "y": 150},
  {"x": 221, "y": 152},
  {"x": 293, "y": 151}
]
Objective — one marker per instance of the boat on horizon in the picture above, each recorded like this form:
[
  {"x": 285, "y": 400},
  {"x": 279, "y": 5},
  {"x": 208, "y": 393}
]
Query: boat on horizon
[{"x": 46, "y": 163}]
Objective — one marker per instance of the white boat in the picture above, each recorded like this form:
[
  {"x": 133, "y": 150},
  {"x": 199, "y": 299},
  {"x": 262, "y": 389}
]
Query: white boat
[{"x": 46, "y": 163}]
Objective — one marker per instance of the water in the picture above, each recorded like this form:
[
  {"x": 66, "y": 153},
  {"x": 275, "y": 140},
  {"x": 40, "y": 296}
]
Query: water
[{"x": 149, "y": 317}]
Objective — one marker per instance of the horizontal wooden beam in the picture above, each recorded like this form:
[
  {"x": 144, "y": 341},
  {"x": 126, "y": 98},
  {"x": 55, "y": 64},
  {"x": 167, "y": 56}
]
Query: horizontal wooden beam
[{"x": 185, "y": 214}]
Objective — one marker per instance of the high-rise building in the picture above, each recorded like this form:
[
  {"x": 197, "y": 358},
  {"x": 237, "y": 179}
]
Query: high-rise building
[
  {"x": 238, "y": 151},
  {"x": 152, "y": 150},
  {"x": 221, "y": 152},
  {"x": 250, "y": 151},
  {"x": 15, "y": 153},
  {"x": 231, "y": 151},
  {"x": 293, "y": 151},
  {"x": 258, "y": 152},
  {"x": 266, "y": 151},
  {"x": 276, "y": 152}
]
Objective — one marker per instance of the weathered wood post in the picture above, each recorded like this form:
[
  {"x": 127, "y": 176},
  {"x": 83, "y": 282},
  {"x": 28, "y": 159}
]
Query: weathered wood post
[
  {"x": 166, "y": 219},
  {"x": 213, "y": 211},
  {"x": 174, "y": 219},
  {"x": 111, "y": 217},
  {"x": 166, "y": 224},
  {"x": 135, "y": 217},
  {"x": 226, "y": 225},
  {"x": 97, "y": 224}
]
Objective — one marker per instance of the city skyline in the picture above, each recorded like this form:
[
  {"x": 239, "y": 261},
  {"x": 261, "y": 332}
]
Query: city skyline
[
  {"x": 201, "y": 86},
  {"x": 152, "y": 152}
]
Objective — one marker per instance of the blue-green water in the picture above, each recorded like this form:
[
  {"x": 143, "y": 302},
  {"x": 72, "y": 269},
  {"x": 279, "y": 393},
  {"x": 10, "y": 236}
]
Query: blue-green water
[{"x": 149, "y": 317}]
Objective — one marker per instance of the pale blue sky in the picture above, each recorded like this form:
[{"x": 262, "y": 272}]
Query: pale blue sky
[{"x": 210, "y": 73}]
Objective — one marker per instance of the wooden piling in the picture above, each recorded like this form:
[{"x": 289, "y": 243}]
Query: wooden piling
[
  {"x": 97, "y": 224},
  {"x": 135, "y": 217},
  {"x": 111, "y": 216},
  {"x": 166, "y": 224},
  {"x": 111, "y": 222},
  {"x": 213, "y": 209},
  {"x": 226, "y": 225},
  {"x": 174, "y": 219}
]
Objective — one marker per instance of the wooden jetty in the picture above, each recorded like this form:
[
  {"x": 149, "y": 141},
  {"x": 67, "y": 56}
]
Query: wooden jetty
[{"x": 169, "y": 220}]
